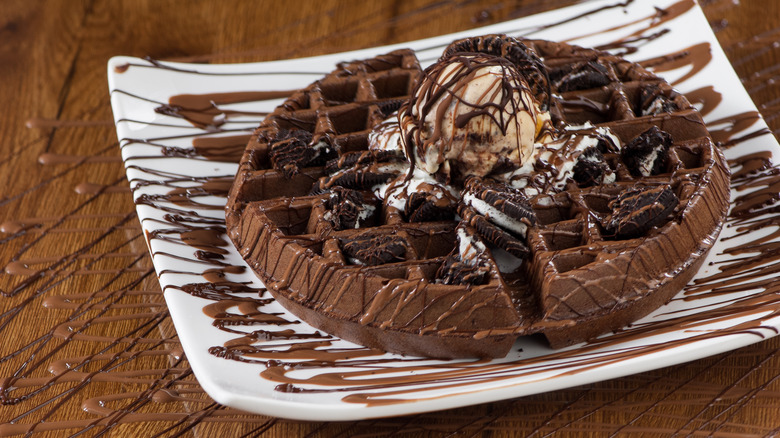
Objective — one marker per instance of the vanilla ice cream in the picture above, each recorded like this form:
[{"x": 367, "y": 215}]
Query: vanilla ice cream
[{"x": 470, "y": 115}]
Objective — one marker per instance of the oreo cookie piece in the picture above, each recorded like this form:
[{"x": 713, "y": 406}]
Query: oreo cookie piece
[
  {"x": 636, "y": 211},
  {"x": 648, "y": 153},
  {"x": 607, "y": 143},
  {"x": 359, "y": 177},
  {"x": 456, "y": 272},
  {"x": 361, "y": 158},
  {"x": 390, "y": 106},
  {"x": 652, "y": 101},
  {"x": 506, "y": 206},
  {"x": 591, "y": 168},
  {"x": 290, "y": 150},
  {"x": 580, "y": 76},
  {"x": 373, "y": 250},
  {"x": 499, "y": 237},
  {"x": 493, "y": 234},
  {"x": 433, "y": 204},
  {"x": 348, "y": 209}
]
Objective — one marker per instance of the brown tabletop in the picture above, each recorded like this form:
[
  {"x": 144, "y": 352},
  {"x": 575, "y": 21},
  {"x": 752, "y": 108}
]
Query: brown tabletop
[{"x": 86, "y": 343}]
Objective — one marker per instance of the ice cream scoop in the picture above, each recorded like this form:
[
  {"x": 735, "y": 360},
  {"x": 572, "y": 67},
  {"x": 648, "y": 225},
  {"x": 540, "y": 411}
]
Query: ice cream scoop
[{"x": 470, "y": 115}]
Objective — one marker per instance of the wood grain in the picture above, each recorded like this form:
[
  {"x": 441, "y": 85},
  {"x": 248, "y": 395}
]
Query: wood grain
[{"x": 92, "y": 254}]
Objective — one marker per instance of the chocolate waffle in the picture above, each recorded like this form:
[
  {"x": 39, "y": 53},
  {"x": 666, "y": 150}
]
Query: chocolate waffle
[{"x": 463, "y": 269}]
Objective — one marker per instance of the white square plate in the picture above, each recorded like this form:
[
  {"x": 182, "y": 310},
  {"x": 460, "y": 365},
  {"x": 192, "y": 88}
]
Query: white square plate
[{"x": 287, "y": 377}]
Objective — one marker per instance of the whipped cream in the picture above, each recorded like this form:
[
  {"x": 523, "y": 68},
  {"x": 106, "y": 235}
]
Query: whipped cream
[{"x": 552, "y": 164}]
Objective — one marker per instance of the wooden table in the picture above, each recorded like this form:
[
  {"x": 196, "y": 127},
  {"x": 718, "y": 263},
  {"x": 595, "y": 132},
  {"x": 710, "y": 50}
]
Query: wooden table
[{"x": 86, "y": 342}]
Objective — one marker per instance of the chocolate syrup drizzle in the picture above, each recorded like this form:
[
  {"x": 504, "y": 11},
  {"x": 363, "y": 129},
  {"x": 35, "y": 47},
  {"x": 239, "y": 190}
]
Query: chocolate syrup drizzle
[{"x": 49, "y": 378}]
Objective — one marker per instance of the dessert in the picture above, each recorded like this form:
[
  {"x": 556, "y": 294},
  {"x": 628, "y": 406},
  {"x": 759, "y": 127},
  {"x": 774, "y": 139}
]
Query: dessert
[{"x": 514, "y": 187}]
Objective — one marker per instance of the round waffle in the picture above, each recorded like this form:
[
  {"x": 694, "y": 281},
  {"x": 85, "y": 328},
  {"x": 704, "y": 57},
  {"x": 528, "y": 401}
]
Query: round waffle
[{"x": 464, "y": 271}]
